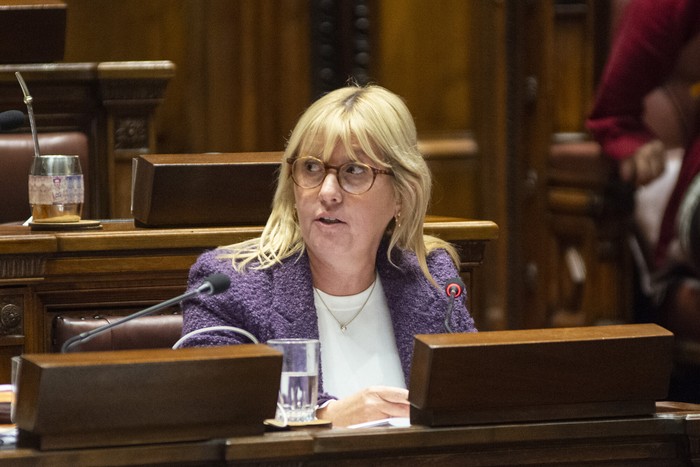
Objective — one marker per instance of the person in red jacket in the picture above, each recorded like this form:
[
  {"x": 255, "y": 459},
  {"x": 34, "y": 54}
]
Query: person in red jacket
[{"x": 655, "y": 57}]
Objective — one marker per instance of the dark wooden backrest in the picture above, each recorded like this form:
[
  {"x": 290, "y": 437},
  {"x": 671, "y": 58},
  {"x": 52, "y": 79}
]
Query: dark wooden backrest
[{"x": 148, "y": 332}]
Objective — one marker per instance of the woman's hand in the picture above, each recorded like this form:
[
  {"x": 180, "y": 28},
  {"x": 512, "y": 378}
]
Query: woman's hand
[
  {"x": 373, "y": 403},
  {"x": 647, "y": 163}
]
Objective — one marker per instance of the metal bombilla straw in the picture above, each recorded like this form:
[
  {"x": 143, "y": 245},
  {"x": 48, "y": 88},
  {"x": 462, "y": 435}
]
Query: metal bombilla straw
[{"x": 30, "y": 112}]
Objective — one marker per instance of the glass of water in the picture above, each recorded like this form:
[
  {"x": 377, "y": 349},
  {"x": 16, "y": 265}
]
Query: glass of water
[
  {"x": 56, "y": 189},
  {"x": 299, "y": 381}
]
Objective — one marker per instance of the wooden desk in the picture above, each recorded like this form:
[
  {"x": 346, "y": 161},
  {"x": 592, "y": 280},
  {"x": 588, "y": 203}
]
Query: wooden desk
[
  {"x": 122, "y": 269},
  {"x": 667, "y": 439}
]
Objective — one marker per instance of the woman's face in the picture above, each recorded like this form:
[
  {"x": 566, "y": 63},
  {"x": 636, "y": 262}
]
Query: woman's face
[{"x": 338, "y": 226}]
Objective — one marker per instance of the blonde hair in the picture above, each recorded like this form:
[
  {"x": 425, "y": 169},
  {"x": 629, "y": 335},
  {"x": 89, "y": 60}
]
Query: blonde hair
[{"x": 369, "y": 120}]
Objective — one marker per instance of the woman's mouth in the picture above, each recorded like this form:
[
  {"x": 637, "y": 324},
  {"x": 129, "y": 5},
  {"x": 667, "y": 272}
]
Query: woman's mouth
[{"x": 329, "y": 220}]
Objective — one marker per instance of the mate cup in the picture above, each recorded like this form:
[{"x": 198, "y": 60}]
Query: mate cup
[{"x": 56, "y": 189}]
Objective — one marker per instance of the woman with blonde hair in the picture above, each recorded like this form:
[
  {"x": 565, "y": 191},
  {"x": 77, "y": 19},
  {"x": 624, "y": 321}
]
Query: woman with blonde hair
[{"x": 342, "y": 258}]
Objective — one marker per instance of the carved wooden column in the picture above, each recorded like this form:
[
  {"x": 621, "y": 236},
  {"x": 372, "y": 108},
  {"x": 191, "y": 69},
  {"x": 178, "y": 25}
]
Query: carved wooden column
[
  {"x": 340, "y": 43},
  {"x": 130, "y": 93}
]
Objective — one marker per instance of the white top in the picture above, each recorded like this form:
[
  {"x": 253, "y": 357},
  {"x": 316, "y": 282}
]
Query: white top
[{"x": 365, "y": 354}]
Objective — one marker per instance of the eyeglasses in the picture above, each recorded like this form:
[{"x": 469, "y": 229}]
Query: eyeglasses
[{"x": 353, "y": 177}]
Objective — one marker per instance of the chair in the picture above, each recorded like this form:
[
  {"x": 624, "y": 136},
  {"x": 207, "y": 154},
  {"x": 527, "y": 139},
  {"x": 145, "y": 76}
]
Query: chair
[
  {"x": 147, "y": 332},
  {"x": 16, "y": 153}
]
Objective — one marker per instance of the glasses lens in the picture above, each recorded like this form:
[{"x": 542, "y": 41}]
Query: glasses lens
[
  {"x": 355, "y": 177},
  {"x": 308, "y": 172}
]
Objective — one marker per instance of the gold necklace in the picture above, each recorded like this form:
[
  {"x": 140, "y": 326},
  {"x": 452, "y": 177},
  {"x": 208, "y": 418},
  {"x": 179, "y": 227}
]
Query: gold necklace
[{"x": 344, "y": 326}]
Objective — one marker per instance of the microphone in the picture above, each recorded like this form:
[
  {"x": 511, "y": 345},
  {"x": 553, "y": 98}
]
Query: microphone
[
  {"x": 454, "y": 289},
  {"x": 11, "y": 120},
  {"x": 212, "y": 285}
]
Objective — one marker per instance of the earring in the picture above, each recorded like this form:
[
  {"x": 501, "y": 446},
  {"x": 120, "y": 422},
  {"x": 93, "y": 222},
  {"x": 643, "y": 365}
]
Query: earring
[{"x": 397, "y": 219}]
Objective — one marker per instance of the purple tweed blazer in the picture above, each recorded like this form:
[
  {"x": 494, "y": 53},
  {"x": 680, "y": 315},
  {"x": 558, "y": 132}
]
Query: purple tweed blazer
[{"x": 278, "y": 302}]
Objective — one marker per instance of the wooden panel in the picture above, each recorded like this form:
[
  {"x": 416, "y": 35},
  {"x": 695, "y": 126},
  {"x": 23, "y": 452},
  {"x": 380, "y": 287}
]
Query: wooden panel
[
  {"x": 67, "y": 400},
  {"x": 243, "y": 67},
  {"x": 42, "y": 43},
  {"x": 424, "y": 53},
  {"x": 573, "y": 50},
  {"x": 531, "y": 107},
  {"x": 177, "y": 190},
  {"x": 554, "y": 374},
  {"x": 487, "y": 28},
  {"x": 454, "y": 162}
]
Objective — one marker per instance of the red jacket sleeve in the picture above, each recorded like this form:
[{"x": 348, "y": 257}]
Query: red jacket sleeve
[{"x": 650, "y": 36}]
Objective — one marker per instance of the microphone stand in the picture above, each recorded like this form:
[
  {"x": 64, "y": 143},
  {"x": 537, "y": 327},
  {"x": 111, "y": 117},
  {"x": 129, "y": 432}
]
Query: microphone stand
[{"x": 213, "y": 284}]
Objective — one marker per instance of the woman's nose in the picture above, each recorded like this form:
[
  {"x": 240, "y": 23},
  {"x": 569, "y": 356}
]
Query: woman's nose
[{"x": 330, "y": 188}]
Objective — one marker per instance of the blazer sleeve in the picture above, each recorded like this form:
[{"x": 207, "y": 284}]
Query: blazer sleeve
[
  {"x": 650, "y": 37},
  {"x": 223, "y": 309}
]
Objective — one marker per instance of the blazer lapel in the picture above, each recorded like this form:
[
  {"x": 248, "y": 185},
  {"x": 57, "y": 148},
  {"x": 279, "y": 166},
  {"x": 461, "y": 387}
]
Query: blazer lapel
[
  {"x": 410, "y": 298},
  {"x": 293, "y": 300}
]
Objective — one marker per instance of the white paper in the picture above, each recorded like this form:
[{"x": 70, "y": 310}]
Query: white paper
[{"x": 396, "y": 421}]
